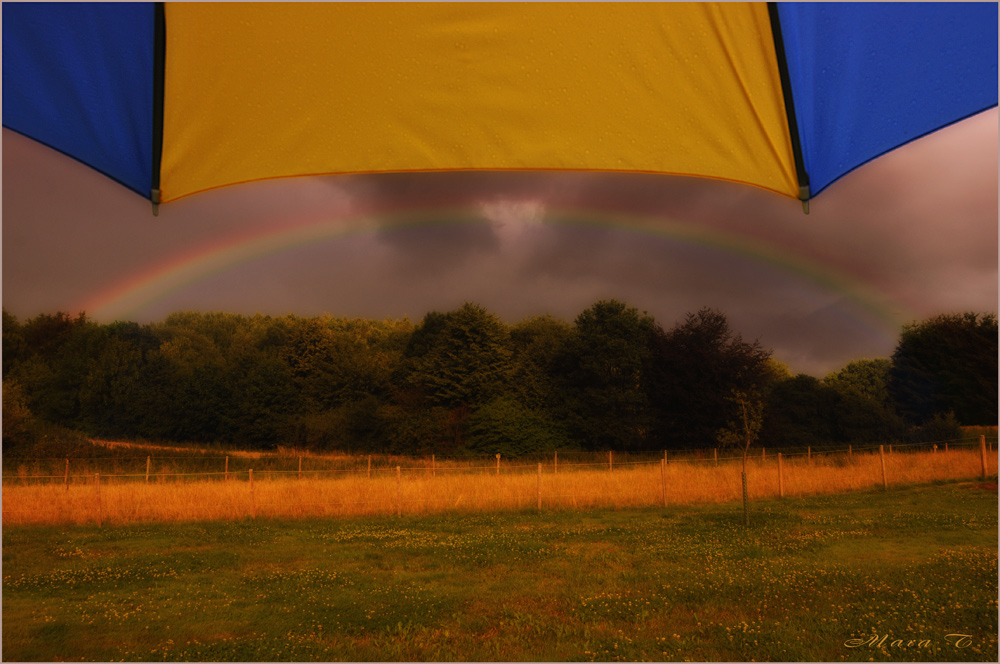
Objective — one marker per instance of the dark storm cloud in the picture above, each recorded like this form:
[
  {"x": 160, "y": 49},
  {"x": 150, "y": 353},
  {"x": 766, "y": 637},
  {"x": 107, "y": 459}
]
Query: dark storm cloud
[{"x": 437, "y": 244}]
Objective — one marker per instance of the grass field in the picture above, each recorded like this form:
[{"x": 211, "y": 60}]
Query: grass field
[{"x": 872, "y": 574}]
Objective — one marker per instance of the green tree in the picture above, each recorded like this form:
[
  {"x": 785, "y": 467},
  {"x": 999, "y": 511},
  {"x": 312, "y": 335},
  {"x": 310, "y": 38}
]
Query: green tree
[
  {"x": 507, "y": 427},
  {"x": 862, "y": 410},
  {"x": 59, "y": 350},
  {"x": 459, "y": 358},
  {"x": 947, "y": 363},
  {"x": 118, "y": 397},
  {"x": 601, "y": 377},
  {"x": 537, "y": 343},
  {"x": 17, "y": 418},
  {"x": 262, "y": 401},
  {"x": 868, "y": 378},
  {"x": 15, "y": 349}
]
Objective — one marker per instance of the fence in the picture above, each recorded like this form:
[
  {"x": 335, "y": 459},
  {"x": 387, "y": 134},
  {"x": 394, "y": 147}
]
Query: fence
[
  {"x": 200, "y": 466},
  {"x": 437, "y": 485}
]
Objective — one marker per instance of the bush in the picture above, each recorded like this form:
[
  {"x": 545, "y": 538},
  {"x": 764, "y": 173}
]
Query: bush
[
  {"x": 943, "y": 426},
  {"x": 505, "y": 426}
]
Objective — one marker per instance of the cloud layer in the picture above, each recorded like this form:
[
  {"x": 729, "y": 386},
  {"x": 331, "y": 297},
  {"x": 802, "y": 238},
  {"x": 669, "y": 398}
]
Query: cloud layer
[{"x": 907, "y": 236}]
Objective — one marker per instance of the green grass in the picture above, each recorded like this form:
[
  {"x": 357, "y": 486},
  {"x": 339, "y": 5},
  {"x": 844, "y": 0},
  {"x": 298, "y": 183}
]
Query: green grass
[{"x": 808, "y": 576}]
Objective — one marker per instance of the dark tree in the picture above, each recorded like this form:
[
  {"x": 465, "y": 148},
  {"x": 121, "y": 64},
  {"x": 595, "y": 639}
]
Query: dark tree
[
  {"x": 601, "y": 377},
  {"x": 537, "y": 344},
  {"x": 460, "y": 358},
  {"x": 15, "y": 349},
  {"x": 862, "y": 411},
  {"x": 693, "y": 371},
  {"x": 798, "y": 413},
  {"x": 947, "y": 363}
]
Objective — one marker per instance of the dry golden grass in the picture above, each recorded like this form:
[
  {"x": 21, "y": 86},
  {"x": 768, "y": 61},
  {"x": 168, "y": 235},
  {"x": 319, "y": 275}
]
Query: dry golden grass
[{"x": 473, "y": 489}]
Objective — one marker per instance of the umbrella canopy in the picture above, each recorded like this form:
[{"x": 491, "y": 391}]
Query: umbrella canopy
[{"x": 175, "y": 99}]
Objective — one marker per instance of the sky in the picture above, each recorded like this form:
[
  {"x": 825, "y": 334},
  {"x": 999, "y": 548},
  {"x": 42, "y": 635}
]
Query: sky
[{"x": 908, "y": 236}]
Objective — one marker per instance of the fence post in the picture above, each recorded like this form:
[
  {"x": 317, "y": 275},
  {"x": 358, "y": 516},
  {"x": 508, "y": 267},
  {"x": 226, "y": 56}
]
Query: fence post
[
  {"x": 253, "y": 505},
  {"x": 946, "y": 446},
  {"x": 663, "y": 480},
  {"x": 66, "y": 477},
  {"x": 399, "y": 494},
  {"x": 881, "y": 456},
  {"x": 147, "y": 469},
  {"x": 781, "y": 481},
  {"x": 498, "y": 463},
  {"x": 610, "y": 462},
  {"x": 555, "y": 462},
  {"x": 982, "y": 454},
  {"x": 890, "y": 448},
  {"x": 97, "y": 484},
  {"x": 935, "y": 448},
  {"x": 763, "y": 453},
  {"x": 226, "y": 476},
  {"x": 809, "y": 454},
  {"x": 369, "y": 465},
  {"x": 850, "y": 450},
  {"x": 432, "y": 466},
  {"x": 665, "y": 459},
  {"x": 300, "y": 468},
  {"x": 539, "y": 491},
  {"x": 715, "y": 455}
]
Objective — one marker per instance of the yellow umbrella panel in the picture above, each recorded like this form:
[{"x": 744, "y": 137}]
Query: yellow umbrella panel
[{"x": 264, "y": 90}]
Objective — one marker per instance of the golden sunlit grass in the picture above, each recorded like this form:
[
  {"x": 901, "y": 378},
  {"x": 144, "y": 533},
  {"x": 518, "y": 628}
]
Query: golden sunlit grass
[{"x": 457, "y": 488}]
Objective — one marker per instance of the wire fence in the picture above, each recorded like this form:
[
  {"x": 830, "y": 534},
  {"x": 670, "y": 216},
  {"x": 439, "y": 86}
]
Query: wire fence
[
  {"x": 427, "y": 486},
  {"x": 202, "y": 465}
]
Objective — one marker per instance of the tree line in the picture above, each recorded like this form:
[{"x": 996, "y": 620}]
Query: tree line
[{"x": 464, "y": 382}]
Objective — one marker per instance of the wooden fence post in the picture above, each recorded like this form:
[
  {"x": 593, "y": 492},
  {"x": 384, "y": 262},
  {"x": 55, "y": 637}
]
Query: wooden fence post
[
  {"x": 946, "y": 446},
  {"x": 300, "y": 468},
  {"x": 253, "y": 505},
  {"x": 850, "y": 450},
  {"x": 763, "y": 454},
  {"x": 399, "y": 494},
  {"x": 881, "y": 456},
  {"x": 666, "y": 460},
  {"x": 610, "y": 462},
  {"x": 781, "y": 481},
  {"x": 935, "y": 448},
  {"x": 432, "y": 466},
  {"x": 369, "y": 465},
  {"x": 66, "y": 477},
  {"x": 982, "y": 454},
  {"x": 538, "y": 492},
  {"x": 890, "y": 448},
  {"x": 226, "y": 476},
  {"x": 663, "y": 480},
  {"x": 97, "y": 484},
  {"x": 148, "y": 461},
  {"x": 809, "y": 454},
  {"x": 498, "y": 463},
  {"x": 555, "y": 462},
  {"x": 715, "y": 455}
]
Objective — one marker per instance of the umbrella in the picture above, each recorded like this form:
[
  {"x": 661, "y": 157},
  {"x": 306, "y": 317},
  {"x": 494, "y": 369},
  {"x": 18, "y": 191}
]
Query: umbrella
[{"x": 172, "y": 99}]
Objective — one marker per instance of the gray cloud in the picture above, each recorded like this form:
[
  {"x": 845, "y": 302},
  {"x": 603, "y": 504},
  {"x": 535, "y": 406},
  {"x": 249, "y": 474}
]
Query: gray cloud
[{"x": 907, "y": 236}]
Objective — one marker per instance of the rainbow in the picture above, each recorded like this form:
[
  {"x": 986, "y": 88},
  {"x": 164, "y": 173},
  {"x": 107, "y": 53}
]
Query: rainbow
[{"x": 125, "y": 299}]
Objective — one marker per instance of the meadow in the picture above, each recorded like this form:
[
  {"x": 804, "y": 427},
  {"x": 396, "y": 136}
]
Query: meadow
[
  {"x": 904, "y": 574},
  {"x": 348, "y": 487}
]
